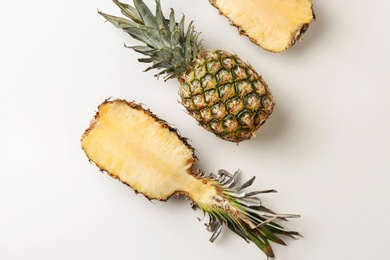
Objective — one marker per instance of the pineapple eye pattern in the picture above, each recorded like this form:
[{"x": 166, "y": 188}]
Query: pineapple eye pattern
[{"x": 231, "y": 90}]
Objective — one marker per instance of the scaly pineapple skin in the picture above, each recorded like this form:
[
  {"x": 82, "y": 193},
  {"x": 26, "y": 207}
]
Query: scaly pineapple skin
[{"x": 225, "y": 95}]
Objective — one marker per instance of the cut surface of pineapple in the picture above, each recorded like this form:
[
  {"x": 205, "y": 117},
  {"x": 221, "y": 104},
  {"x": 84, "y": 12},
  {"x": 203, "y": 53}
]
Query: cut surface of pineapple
[
  {"x": 130, "y": 144},
  {"x": 135, "y": 146},
  {"x": 275, "y": 25}
]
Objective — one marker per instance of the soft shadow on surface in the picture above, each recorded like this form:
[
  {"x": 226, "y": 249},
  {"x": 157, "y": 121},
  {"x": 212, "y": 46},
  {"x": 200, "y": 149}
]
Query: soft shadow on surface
[
  {"x": 179, "y": 201},
  {"x": 314, "y": 33},
  {"x": 279, "y": 121},
  {"x": 274, "y": 127}
]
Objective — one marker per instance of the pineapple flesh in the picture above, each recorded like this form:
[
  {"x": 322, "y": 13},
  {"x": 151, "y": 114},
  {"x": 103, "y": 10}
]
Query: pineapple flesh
[
  {"x": 275, "y": 25},
  {"x": 224, "y": 94},
  {"x": 133, "y": 145}
]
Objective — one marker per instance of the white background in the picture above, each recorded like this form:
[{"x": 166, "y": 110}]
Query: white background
[{"x": 325, "y": 148}]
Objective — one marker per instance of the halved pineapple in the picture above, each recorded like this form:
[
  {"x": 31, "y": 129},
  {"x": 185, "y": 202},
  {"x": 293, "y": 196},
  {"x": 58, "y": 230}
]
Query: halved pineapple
[
  {"x": 133, "y": 145},
  {"x": 275, "y": 25}
]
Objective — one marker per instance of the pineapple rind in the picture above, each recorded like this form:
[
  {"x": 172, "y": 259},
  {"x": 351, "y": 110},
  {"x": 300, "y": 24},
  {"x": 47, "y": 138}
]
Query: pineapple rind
[
  {"x": 275, "y": 25},
  {"x": 226, "y": 96}
]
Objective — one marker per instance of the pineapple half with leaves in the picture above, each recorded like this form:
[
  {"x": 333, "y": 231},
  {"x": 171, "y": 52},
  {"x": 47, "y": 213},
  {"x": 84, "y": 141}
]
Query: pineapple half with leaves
[
  {"x": 274, "y": 25},
  {"x": 224, "y": 94},
  {"x": 133, "y": 145}
]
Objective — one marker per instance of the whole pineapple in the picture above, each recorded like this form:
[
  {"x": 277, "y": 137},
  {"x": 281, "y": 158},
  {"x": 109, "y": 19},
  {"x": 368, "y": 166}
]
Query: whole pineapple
[{"x": 224, "y": 94}]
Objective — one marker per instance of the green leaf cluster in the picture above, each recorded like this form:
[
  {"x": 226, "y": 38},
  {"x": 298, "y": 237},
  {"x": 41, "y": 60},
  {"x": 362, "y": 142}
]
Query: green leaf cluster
[{"x": 170, "y": 46}]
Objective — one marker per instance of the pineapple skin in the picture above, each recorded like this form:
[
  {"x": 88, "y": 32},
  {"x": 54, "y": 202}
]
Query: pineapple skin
[{"x": 226, "y": 95}]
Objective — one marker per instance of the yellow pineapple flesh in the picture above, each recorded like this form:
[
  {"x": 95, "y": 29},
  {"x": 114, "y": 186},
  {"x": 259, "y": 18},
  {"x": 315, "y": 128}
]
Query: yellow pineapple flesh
[
  {"x": 275, "y": 25},
  {"x": 133, "y": 145}
]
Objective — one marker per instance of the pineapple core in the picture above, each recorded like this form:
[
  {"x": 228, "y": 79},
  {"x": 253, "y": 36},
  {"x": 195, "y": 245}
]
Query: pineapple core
[
  {"x": 134, "y": 146},
  {"x": 275, "y": 25}
]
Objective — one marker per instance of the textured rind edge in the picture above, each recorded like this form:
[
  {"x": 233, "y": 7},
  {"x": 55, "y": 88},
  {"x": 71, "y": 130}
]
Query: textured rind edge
[
  {"x": 297, "y": 35},
  {"x": 165, "y": 124}
]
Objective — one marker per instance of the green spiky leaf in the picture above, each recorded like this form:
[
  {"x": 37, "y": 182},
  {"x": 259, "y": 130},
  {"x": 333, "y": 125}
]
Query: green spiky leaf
[
  {"x": 171, "y": 46},
  {"x": 247, "y": 217}
]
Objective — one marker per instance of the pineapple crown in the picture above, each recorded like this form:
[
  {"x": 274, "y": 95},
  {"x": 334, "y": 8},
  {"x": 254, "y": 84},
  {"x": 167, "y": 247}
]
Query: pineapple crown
[
  {"x": 170, "y": 46},
  {"x": 249, "y": 218}
]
